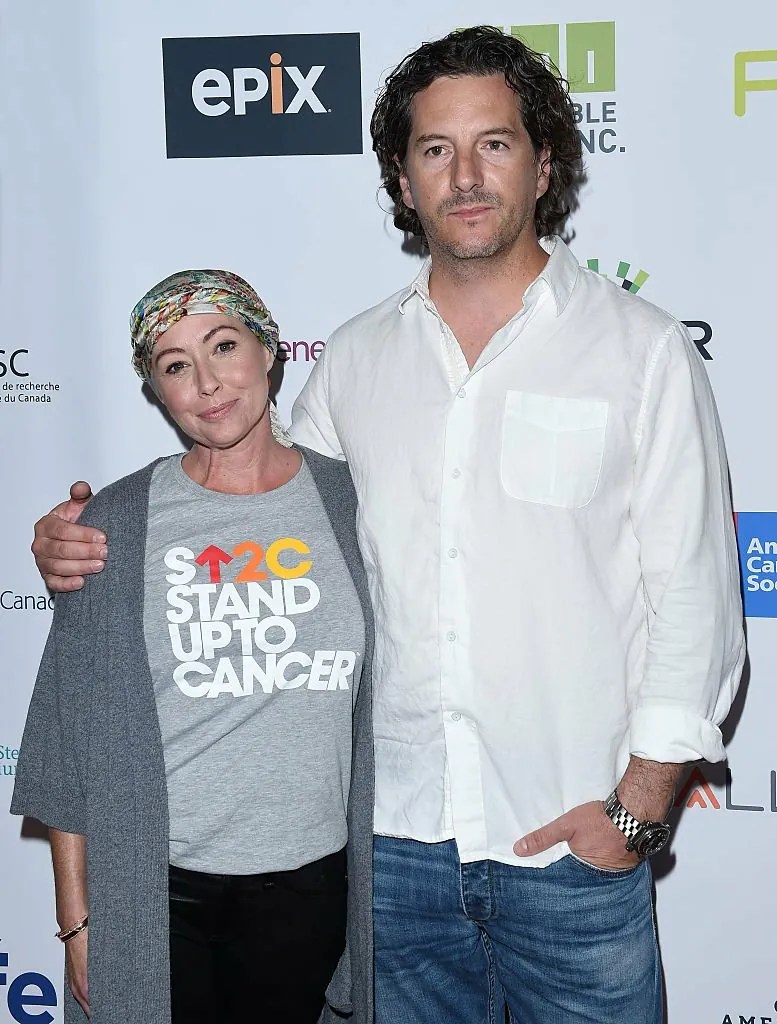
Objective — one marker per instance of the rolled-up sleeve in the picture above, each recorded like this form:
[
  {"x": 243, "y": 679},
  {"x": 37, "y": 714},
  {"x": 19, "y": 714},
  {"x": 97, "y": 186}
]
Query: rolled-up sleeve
[
  {"x": 49, "y": 783},
  {"x": 682, "y": 518}
]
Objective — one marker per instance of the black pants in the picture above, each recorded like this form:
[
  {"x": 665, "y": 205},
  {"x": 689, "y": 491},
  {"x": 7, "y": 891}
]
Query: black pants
[{"x": 255, "y": 948}]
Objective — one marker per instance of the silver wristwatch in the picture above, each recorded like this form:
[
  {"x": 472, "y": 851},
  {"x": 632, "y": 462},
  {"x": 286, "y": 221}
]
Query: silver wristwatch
[{"x": 643, "y": 837}]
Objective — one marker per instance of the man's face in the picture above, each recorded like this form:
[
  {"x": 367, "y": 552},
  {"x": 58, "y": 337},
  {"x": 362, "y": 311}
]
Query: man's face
[{"x": 471, "y": 173}]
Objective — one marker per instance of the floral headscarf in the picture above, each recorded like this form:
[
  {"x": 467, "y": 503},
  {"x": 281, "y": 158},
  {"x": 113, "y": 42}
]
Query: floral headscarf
[
  {"x": 196, "y": 291},
  {"x": 201, "y": 291}
]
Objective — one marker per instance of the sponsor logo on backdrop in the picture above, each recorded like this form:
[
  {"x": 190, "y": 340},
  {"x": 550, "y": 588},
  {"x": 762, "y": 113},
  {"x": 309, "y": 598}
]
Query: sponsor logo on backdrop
[
  {"x": 301, "y": 351},
  {"x": 633, "y": 280},
  {"x": 27, "y": 995},
  {"x": 698, "y": 792},
  {"x": 629, "y": 280},
  {"x": 18, "y": 383},
  {"x": 285, "y": 95},
  {"x": 584, "y": 52},
  {"x": 11, "y": 601},
  {"x": 8, "y": 758},
  {"x": 750, "y": 76},
  {"x": 757, "y": 533},
  {"x": 751, "y": 1018}
]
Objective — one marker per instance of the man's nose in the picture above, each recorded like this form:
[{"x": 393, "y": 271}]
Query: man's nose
[{"x": 466, "y": 172}]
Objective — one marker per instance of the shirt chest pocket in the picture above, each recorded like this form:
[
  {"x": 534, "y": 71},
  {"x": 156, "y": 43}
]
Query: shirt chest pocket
[{"x": 552, "y": 448}]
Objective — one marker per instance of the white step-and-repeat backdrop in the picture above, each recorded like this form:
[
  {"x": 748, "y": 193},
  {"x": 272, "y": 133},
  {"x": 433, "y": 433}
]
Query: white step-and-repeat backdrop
[{"x": 141, "y": 138}]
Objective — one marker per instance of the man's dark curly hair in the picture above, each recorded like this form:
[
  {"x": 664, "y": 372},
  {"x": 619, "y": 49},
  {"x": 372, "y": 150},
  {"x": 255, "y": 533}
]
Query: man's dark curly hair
[{"x": 546, "y": 110}]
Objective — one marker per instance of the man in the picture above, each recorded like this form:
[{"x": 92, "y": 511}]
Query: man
[{"x": 546, "y": 526}]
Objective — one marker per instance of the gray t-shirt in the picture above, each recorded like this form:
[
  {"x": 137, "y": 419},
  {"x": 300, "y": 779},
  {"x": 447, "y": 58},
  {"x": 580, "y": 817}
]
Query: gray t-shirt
[{"x": 255, "y": 639}]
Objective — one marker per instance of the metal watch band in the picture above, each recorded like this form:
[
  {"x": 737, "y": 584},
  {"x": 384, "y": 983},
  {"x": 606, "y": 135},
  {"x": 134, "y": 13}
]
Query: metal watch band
[{"x": 621, "y": 818}]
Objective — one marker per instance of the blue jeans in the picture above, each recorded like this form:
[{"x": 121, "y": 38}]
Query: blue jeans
[{"x": 566, "y": 944}]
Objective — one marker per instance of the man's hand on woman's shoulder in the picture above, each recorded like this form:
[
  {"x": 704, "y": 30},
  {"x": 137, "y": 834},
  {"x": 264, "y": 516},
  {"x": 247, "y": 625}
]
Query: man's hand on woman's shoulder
[{"x": 64, "y": 551}]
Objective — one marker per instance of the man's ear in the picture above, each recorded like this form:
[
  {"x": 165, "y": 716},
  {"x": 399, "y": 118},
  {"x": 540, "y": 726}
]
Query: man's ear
[
  {"x": 544, "y": 162},
  {"x": 404, "y": 184}
]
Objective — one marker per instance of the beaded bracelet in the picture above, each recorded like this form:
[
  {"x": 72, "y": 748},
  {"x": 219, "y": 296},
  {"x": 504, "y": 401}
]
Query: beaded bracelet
[{"x": 68, "y": 933}]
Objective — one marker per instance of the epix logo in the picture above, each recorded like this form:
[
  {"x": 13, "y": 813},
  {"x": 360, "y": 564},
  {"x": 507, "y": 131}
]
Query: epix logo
[
  {"x": 584, "y": 52},
  {"x": 757, "y": 533},
  {"x": 263, "y": 95},
  {"x": 744, "y": 62},
  {"x": 632, "y": 281}
]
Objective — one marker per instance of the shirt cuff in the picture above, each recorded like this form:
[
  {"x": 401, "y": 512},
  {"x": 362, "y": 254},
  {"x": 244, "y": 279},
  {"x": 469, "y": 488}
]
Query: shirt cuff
[{"x": 667, "y": 734}]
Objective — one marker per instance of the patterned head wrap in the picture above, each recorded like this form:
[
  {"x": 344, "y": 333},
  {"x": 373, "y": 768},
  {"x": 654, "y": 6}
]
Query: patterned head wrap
[
  {"x": 196, "y": 291},
  {"x": 201, "y": 291}
]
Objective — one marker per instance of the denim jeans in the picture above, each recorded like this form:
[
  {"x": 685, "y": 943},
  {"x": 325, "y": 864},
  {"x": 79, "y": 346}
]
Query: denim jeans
[{"x": 565, "y": 944}]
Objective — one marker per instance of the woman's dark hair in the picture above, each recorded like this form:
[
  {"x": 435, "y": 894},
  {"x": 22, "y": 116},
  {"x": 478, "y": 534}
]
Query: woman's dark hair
[{"x": 546, "y": 110}]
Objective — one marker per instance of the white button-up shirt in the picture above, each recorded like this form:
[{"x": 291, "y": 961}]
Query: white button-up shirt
[{"x": 550, "y": 549}]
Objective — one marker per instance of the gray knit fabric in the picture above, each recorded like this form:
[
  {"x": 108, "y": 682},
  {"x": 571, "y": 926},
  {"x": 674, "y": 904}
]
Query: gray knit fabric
[{"x": 91, "y": 762}]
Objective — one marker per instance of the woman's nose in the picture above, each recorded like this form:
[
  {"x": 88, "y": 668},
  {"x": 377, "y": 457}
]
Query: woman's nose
[{"x": 207, "y": 381}]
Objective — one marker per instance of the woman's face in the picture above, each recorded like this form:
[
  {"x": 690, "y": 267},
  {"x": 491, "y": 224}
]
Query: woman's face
[{"x": 210, "y": 371}]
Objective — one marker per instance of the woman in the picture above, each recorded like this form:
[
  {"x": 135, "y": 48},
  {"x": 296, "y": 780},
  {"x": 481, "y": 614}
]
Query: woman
[{"x": 189, "y": 736}]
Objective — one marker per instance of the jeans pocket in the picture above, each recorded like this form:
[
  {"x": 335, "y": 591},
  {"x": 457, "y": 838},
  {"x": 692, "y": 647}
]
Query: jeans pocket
[{"x": 603, "y": 872}]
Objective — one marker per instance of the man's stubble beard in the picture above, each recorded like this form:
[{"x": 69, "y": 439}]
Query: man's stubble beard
[
  {"x": 481, "y": 250},
  {"x": 501, "y": 242}
]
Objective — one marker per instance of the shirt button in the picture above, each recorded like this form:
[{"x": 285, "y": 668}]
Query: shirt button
[
  {"x": 451, "y": 635},
  {"x": 453, "y": 553},
  {"x": 461, "y": 393},
  {"x": 456, "y": 716},
  {"x": 456, "y": 474}
]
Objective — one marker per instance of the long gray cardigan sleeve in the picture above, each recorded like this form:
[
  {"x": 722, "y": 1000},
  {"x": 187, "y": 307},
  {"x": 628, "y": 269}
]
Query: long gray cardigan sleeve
[{"x": 91, "y": 762}]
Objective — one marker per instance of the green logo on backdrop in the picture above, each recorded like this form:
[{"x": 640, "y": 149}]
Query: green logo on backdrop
[
  {"x": 590, "y": 51},
  {"x": 584, "y": 53},
  {"x": 630, "y": 282},
  {"x": 743, "y": 83}
]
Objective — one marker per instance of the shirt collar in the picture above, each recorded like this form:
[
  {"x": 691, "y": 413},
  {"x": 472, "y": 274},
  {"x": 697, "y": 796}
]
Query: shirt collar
[
  {"x": 419, "y": 286},
  {"x": 558, "y": 277}
]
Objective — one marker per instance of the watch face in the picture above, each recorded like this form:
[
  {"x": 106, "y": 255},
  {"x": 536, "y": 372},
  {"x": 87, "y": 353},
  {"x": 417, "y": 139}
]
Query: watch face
[{"x": 652, "y": 839}]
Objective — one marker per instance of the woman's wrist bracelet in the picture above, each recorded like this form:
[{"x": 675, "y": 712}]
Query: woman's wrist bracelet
[{"x": 68, "y": 933}]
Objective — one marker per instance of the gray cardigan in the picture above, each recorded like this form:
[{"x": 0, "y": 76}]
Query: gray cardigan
[{"x": 91, "y": 762}]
